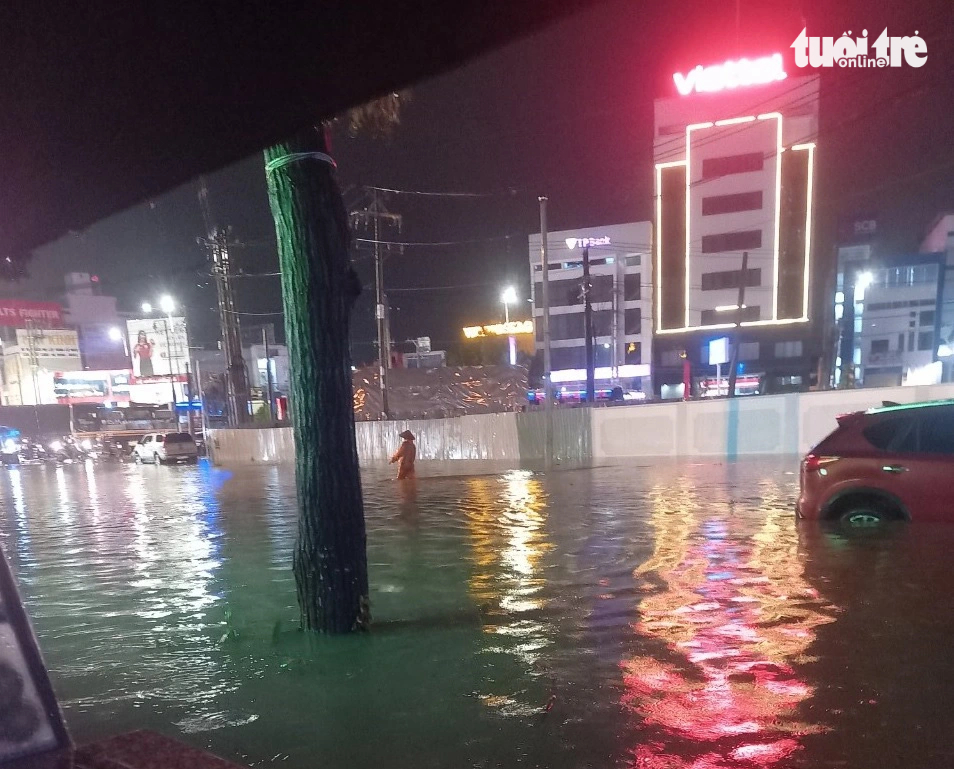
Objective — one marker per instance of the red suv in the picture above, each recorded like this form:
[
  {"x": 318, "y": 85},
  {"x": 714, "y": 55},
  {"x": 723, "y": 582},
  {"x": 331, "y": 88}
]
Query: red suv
[{"x": 894, "y": 462}]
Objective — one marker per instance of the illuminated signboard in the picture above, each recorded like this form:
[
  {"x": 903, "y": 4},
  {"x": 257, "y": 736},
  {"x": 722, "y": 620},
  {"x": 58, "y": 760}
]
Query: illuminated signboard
[
  {"x": 512, "y": 328},
  {"x": 600, "y": 373},
  {"x": 572, "y": 243},
  {"x": 16, "y": 312},
  {"x": 731, "y": 74}
]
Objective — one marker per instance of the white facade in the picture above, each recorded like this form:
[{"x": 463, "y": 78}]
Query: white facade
[
  {"x": 28, "y": 367},
  {"x": 621, "y": 279},
  {"x": 728, "y": 149},
  {"x": 897, "y": 323}
]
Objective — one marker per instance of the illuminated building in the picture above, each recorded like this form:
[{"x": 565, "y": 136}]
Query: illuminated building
[
  {"x": 620, "y": 276},
  {"x": 734, "y": 150},
  {"x": 890, "y": 318}
]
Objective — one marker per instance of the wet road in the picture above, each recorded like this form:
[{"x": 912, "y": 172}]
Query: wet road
[{"x": 656, "y": 617}]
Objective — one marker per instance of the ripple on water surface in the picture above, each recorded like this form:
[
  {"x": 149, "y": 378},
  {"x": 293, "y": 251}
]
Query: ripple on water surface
[{"x": 657, "y": 616}]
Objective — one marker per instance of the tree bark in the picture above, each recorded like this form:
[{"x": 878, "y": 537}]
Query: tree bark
[{"x": 319, "y": 288}]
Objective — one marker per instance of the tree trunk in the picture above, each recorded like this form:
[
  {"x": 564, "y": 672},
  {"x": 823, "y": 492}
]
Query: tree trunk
[{"x": 319, "y": 288}]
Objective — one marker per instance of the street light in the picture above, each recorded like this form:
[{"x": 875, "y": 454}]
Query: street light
[
  {"x": 118, "y": 336},
  {"x": 167, "y": 305},
  {"x": 509, "y": 297}
]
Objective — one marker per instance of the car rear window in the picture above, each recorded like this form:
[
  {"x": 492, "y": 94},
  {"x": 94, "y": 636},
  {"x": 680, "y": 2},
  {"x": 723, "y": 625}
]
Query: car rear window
[
  {"x": 892, "y": 434},
  {"x": 178, "y": 438}
]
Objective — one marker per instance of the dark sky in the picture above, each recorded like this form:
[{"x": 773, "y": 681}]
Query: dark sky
[{"x": 568, "y": 114}]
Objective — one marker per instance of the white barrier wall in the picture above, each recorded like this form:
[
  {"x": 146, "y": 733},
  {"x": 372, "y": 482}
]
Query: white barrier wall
[{"x": 769, "y": 424}]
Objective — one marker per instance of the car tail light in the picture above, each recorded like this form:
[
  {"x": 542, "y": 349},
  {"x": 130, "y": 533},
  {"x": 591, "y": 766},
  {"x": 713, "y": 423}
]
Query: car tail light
[{"x": 815, "y": 462}]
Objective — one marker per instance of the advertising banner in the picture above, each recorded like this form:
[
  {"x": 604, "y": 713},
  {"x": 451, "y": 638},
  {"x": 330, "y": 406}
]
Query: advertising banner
[
  {"x": 158, "y": 347},
  {"x": 16, "y": 312},
  {"x": 48, "y": 343},
  {"x": 74, "y": 387}
]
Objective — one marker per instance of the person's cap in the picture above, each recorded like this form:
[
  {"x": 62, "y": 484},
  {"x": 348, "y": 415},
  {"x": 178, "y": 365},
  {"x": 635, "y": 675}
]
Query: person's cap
[{"x": 407, "y": 435}]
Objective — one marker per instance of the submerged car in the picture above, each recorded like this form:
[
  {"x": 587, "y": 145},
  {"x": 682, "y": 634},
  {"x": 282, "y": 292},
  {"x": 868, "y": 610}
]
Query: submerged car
[
  {"x": 166, "y": 448},
  {"x": 890, "y": 463}
]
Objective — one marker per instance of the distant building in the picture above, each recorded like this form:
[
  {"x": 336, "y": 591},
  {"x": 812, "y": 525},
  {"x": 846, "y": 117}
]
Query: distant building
[
  {"x": 100, "y": 327},
  {"x": 940, "y": 239},
  {"x": 734, "y": 158},
  {"x": 30, "y": 362},
  {"x": 894, "y": 314},
  {"x": 621, "y": 280}
]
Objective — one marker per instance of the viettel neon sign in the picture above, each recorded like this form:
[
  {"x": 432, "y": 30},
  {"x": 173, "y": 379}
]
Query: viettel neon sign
[
  {"x": 731, "y": 74},
  {"x": 512, "y": 328}
]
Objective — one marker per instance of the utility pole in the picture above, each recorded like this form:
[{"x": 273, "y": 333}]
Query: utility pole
[
  {"x": 588, "y": 329},
  {"x": 375, "y": 213},
  {"x": 236, "y": 377},
  {"x": 545, "y": 300},
  {"x": 734, "y": 364}
]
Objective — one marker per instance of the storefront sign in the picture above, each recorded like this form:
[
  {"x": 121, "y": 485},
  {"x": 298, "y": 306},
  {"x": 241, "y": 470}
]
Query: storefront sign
[
  {"x": 732, "y": 74},
  {"x": 572, "y": 243},
  {"x": 15, "y": 312},
  {"x": 48, "y": 343},
  {"x": 512, "y": 328}
]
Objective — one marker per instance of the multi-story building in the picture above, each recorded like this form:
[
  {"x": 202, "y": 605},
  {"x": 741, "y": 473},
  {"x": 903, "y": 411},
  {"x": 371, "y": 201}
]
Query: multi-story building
[
  {"x": 99, "y": 325},
  {"x": 735, "y": 157},
  {"x": 621, "y": 299},
  {"x": 895, "y": 314}
]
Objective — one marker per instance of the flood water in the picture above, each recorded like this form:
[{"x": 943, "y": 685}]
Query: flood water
[{"x": 659, "y": 617}]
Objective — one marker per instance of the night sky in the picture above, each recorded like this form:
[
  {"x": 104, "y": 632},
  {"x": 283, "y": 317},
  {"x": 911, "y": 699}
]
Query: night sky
[{"x": 567, "y": 114}]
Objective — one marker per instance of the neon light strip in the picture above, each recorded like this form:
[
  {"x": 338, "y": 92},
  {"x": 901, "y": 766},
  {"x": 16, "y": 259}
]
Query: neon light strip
[
  {"x": 689, "y": 128},
  {"x": 808, "y": 219},
  {"x": 734, "y": 120},
  {"x": 778, "y": 206},
  {"x": 782, "y": 322},
  {"x": 659, "y": 295},
  {"x": 696, "y": 328}
]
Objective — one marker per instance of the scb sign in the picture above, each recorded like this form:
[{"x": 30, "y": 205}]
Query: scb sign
[{"x": 858, "y": 229}]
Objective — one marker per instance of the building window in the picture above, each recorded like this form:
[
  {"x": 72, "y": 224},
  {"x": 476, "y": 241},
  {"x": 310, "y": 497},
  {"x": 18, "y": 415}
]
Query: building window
[
  {"x": 926, "y": 340},
  {"x": 901, "y": 342},
  {"x": 879, "y": 346},
  {"x": 731, "y": 241},
  {"x": 633, "y": 353},
  {"x": 730, "y": 204},
  {"x": 631, "y": 288},
  {"x": 633, "y": 260},
  {"x": 568, "y": 326},
  {"x": 788, "y": 349},
  {"x": 732, "y": 164},
  {"x": 714, "y": 317},
  {"x": 567, "y": 357},
  {"x": 749, "y": 351},
  {"x": 601, "y": 288},
  {"x": 603, "y": 323},
  {"x": 911, "y": 341},
  {"x": 927, "y": 317},
  {"x": 634, "y": 321},
  {"x": 906, "y": 276},
  {"x": 716, "y": 281},
  {"x": 671, "y": 358}
]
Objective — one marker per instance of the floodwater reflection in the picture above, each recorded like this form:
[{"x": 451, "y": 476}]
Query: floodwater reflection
[{"x": 660, "y": 617}]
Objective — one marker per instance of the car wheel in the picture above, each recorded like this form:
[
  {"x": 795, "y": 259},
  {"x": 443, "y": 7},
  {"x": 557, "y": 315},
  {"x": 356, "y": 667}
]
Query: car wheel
[
  {"x": 137, "y": 459},
  {"x": 156, "y": 460},
  {"x": 866, "y": 513}
]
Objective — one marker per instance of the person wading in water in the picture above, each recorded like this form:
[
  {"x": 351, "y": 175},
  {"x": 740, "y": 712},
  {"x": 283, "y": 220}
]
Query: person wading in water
[{"x": 406, "y": 454}]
